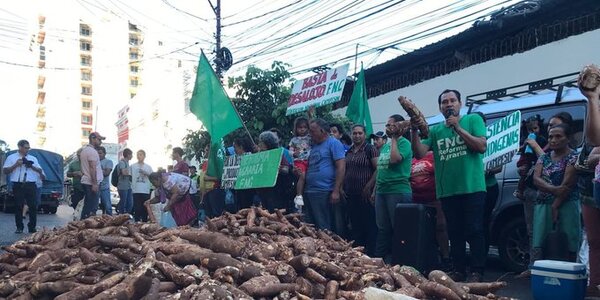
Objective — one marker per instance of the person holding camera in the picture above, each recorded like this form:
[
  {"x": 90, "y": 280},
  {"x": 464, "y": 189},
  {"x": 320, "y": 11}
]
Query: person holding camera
[{"x": 23, "y": 171}]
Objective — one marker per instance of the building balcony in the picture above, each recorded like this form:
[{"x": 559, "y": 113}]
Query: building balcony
[
  {"x": 41, "y": 98},
  {"x": 41, "y": 81},
  {"x": 41, "y": 126},
  {"x": 41, "y": 112}
]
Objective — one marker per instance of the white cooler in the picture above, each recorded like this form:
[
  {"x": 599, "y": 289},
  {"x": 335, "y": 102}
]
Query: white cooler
[{"x": 560, "y": 280}]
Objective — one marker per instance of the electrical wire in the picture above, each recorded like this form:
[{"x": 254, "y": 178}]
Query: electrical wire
[
  {"x": 412, "y": 23},
  {"x": 101, "y": 67},
  {"x": 183, "y": 11},
  {"x": 306, "y": 29},
  {"x": 329, "y": 53},
  {"x": 288, "y": 19},
  {"x": 262, "y": 15},
  {"x": 420, "y": 35},
  {"x": 266, "y": 49}
]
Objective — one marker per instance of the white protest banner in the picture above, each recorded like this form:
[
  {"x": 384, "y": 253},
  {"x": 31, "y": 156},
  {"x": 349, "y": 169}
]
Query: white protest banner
[
  {"x": 317, "y": 90},
  {"x": 502, "y": 141},
  {"x": 231, "y": 167}
]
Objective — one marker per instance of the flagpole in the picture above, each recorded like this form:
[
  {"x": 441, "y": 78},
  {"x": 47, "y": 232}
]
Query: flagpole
[{"x": 243, "y": 123}]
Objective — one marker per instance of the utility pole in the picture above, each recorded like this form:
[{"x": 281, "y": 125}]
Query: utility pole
[{"x": 217, "y": 11}]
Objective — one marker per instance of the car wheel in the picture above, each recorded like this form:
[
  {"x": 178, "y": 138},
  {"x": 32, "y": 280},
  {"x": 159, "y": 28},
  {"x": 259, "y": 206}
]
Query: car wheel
[{"x": 513, "y": 245}]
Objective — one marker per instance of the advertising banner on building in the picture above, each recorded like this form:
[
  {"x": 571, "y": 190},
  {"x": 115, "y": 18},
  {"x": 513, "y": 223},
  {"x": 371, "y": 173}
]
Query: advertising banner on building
[
  {"x": 317, "y": 90},
  {"x": 502, "y": 141}
]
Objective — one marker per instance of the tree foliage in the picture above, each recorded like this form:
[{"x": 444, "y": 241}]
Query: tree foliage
[
  {"x": 194, "y": 144},
  {"x": 261, "y": 98}
]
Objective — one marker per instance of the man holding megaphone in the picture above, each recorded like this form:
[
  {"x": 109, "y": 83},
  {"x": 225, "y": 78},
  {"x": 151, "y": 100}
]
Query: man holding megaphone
[{"x": 458, "y": 145}]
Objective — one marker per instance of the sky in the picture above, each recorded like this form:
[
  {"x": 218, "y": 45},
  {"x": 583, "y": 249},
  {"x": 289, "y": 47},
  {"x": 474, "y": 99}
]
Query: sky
[{"x": 302, "y": 33}]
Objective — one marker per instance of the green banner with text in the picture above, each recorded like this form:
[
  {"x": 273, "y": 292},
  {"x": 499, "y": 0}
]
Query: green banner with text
[
  {"x": 259, "y": 170},
  {"x": 502, "y": 141}
]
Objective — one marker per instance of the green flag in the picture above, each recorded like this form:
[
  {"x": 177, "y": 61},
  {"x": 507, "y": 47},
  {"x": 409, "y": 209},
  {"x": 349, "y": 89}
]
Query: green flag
[
  {"x": 212, "y": 106},
  {"x": 358, "y": 107}
]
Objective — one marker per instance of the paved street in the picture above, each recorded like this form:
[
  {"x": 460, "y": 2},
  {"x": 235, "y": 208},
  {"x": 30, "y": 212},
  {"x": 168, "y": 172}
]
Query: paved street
[
  {"x": 7, "y": 223},
  {"x": 517, "y": 288}
]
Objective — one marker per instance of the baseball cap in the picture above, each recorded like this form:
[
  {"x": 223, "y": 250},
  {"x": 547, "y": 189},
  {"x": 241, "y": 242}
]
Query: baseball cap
[
  {"x": 96, "y": 134},
  {"x": 378, "y": 134}
]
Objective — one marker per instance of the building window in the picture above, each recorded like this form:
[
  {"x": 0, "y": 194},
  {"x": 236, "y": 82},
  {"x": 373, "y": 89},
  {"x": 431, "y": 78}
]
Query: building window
[
  {"x": 86, "y": 61},
  {"x": 86, "y": 119},
  {"x": 84, "y": 30},
  {"x": 85, "y": 46},
  {"x": 133, "y": 55},
  {"x": 131, "y": 95},
  {"x": 133, "y": 82},
  {"x": 42, "y": 52},
  {"x": 160, "y": 43},
  {"x": 133, "y": 41},
  {"x": 86, "y": 104},
  {"x": 86, "y": 75},
  {"x": 85, "y": 132},
  {"x": 86, "y": 90},
  {"x": 133, "y": 69}
]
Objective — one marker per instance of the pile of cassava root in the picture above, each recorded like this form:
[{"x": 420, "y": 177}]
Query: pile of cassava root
[{"x": 252, "y": 254}]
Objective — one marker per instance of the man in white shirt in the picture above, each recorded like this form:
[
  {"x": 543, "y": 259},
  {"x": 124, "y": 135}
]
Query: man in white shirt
[
  {"x": 23, "y": 170},
  {"x": 140, "y": 186},
  {"x": 92, "y": 175},
  {"x": 106, "y": 165}
]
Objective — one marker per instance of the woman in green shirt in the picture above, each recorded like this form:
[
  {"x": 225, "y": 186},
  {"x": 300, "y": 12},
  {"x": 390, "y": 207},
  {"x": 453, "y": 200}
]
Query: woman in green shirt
[{"x": 392, "y": 184}]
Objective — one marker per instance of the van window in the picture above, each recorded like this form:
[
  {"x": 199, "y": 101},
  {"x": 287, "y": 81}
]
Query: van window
[{"x": 576, "y": 110}]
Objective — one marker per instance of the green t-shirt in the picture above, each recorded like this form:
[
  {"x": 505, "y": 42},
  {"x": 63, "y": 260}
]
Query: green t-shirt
[
  {"x": 458, "y": 170},
  {"x": 394, "y": 178},
  {"x": 75, "y": 166}
]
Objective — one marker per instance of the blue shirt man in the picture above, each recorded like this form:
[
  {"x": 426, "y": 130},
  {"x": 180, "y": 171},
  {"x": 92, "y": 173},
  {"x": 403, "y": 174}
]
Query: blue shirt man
[{"x": 325, "y": 175}]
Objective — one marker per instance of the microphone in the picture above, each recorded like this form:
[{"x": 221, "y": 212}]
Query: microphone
[{"x": 450, "y": 112}]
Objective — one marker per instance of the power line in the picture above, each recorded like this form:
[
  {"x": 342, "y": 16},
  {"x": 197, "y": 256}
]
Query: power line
[
  {"x": 265, "y": 50},
  {"x": 420, "y": 35},
  {"x": 262, "y": 15},
  {"x": 244, "y": 35},
  {"x": 311, "y": 27},
  {"x": 407, "y": 25},
  {"x": 267, "y": 2},
  {"x": 183, "y": 11},
  {"x": 100, "y": 67}
]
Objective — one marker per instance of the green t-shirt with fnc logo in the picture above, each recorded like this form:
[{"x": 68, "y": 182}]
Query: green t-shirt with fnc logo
[
  {"x": 458, "y": 170},
  {"x": 394, "y": 178}
]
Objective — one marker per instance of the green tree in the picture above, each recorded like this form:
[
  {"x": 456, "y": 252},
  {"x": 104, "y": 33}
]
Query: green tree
[
  {"x": 261, "y": 98},
  {"x": 194, "y": 144}
]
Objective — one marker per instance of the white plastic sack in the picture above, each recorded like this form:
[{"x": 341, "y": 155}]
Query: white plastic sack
[
  {"x": 584, "y": 252},
  {"x": 78, "y": 210},
  {"x": 156, "y": 210}
]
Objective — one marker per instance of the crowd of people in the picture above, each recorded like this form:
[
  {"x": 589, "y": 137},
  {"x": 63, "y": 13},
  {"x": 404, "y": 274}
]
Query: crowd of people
[{"x": 352, "y": 183}]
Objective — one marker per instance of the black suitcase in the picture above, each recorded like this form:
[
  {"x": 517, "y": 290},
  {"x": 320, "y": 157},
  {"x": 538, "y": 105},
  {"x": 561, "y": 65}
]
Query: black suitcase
[{"x": 414, "y": 241}]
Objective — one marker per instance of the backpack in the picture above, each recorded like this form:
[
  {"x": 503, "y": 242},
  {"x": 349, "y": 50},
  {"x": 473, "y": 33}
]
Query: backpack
[{"x": 114, "y": 177}]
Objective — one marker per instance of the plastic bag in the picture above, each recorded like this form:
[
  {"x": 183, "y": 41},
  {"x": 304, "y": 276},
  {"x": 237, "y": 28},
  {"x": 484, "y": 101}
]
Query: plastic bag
[
  {"x": 78, "y": 210},
  {"x": 166, "y": 220},
  {"x": 584, "y": 251},
  {"x": 156, "y": 210}
]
